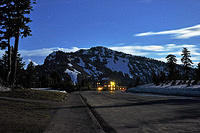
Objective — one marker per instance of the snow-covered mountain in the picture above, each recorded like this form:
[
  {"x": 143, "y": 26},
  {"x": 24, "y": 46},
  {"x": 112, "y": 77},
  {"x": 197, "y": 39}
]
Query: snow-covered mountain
[{"x": 98, "y": 63}]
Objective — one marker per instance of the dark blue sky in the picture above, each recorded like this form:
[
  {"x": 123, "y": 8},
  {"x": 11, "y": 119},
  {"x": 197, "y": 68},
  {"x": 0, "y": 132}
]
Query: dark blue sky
[{"x": 113, "y": 23}]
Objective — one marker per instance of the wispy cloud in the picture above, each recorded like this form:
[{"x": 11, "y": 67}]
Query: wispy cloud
[
  {"x": 138, "y": 50},
  {"x": 183, "y": 33},
  {"x": 158, "y": 52},
  {"x": 46, "y": 51}
]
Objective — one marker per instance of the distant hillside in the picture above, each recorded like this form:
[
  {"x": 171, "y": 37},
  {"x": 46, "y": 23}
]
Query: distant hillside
[{"x": 98, "y": 63}]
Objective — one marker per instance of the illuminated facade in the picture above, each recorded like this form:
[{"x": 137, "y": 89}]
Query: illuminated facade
[{"x": 109, "y": 85}]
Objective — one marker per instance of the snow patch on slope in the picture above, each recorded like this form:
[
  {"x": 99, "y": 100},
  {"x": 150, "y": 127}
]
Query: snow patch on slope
[
  {"x": 69, "y": 64},
  {"x": 120, "y": 65},
  {"x": 81, "y": 63},
  {"x": 73, "y": 75},
  {"x": 94, "y": 69},
  {"x": 88, "y": 71}
]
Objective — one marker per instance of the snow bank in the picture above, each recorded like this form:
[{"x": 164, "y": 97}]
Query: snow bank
[
  {"x": 182, "y": 90},
  {"x": 4, "y": 89},
  {"x": 48, "y": 89}
]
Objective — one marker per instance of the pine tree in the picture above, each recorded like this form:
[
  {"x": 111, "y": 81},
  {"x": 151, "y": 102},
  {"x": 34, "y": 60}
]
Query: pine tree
[
  {"x": 30, "y": 73},
  {"x": 187, "y": 62},
  {"x": 171, "y": 61},
  {"x": 2, "y": 70},
  {"x": 155, "y": 78},
  {"x": 30, "y": 67},
  {"x": 6, "y": 30},
  {"x": 162, "y": 76},
  {"x": 15, "y": 18},
  {"x": 198, "y": 72},
  {"x": 20, "y": 70},
  {"x": 23, "y": 8},
  {"x": 4, "y": 62},
  {"x": 55, "y": 77},
  {"x": 137, "y": 81}
]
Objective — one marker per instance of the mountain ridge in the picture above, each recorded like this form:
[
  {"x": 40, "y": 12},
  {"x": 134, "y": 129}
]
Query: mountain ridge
[{"x": 100, "y": 62}]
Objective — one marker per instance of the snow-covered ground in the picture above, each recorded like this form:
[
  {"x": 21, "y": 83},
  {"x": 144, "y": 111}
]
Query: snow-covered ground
[
  {"x": 48, "y": 89},
  {"x": 182, "y": 89},
  {"x": 3, "y": 89}
]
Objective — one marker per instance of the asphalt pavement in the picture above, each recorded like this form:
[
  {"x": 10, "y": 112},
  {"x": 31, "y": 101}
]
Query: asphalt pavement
[
  {"x": 73, "y": 117},
  {"x": 143, "y": 113}
]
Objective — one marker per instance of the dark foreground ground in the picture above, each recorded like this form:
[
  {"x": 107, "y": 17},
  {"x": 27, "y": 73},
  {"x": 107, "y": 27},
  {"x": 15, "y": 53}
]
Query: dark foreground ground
[
  {"x": 31, "y": 111},
  {"x": 140, "y": 113},
  {"x": 28, "y": 111},
  {"x": 73, "y": 117},
  {"x": 36, "y": 112}
]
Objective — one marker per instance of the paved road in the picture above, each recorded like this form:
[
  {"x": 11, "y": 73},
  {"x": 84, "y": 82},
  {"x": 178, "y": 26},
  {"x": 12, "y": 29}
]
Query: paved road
[
  {"x": 134, "y": 113},
  {"x": 73, "y": 117}
]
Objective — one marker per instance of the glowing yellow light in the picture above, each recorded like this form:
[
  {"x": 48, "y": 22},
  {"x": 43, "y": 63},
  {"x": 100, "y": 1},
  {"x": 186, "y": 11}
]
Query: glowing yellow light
[
  {"x": 100, "y": 88},
  {"x": 112, "y": 83}
]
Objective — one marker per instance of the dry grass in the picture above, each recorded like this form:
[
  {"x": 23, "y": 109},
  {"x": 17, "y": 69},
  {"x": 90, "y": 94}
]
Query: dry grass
[
  {"x": 24, "y": 117},
  {"x": 35, "y": 95},
  {"x": 28, "y": 117}
]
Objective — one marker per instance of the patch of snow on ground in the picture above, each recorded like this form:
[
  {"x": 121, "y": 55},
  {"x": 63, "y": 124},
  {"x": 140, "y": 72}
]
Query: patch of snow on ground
[
  {"x": 4, "y": 89},
  {"x": 168, "y": 89},
  {"x": 42, "y": 89},
  {"x": 48, "y": 89},
  {"x": 73, "y": 75},
  {"x": 69, "y": 64},
  {"x": 120, "y": 65},
  {"x": 105, "y": 79},
  {"x": 76, "y": 71}
]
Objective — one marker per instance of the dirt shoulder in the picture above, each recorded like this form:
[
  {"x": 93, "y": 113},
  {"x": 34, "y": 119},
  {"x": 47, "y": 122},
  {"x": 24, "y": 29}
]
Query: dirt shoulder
[
  {"x": 35, "y": 95},
  {"x": 24, "y": 117}
]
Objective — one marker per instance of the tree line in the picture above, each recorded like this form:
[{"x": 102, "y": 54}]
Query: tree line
[
  {"x": 185, "y": 71},
  {"x": 14, "y": 24}
]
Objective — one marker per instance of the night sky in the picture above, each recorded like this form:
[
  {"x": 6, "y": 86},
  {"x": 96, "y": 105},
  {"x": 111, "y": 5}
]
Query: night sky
[{"x": 151, "y": 28}]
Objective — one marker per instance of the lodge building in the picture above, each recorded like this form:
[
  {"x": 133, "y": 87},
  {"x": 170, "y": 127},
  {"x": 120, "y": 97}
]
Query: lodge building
[{"x": 109, "y": 85}]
